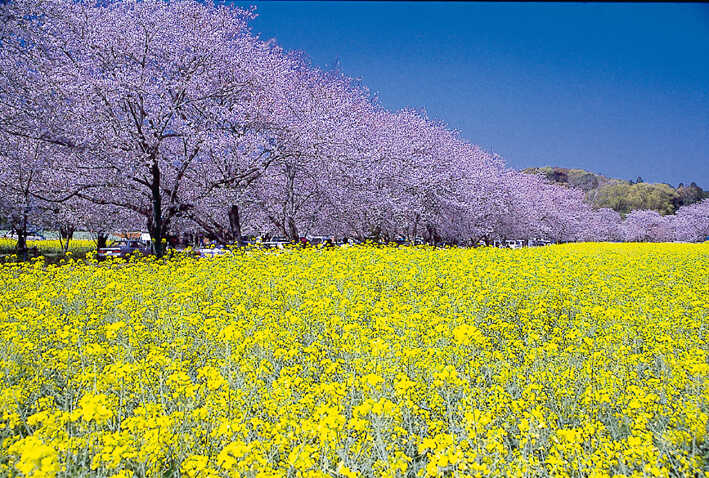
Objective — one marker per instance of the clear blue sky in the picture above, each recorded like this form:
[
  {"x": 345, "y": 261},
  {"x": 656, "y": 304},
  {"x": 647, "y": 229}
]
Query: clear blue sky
[{"x": 619, "y": 89}]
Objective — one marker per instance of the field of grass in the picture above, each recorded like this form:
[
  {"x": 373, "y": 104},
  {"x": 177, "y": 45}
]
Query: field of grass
[{"x": 570, "y": 360}]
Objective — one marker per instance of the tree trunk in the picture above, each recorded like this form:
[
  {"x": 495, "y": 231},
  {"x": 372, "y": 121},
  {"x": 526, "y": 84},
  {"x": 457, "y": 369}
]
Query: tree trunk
[
  {"x": 22, "y": 236},
  {"x": 412, "y": 238},
  {"x": 235, "y": 224},
  {"x": 376, "y": 233},
  {"x": 432, "y": 235},
  {"x": 66, "y": 233},
  {"x": 101, "y": 240},
  {"x": 155, "y": 224},
  {"x": 292, "y": 231},
  {"x": 289, "y": 209},
  {"x": 21, "y": 243}
]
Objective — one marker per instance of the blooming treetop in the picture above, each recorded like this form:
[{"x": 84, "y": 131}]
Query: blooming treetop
[{"x": 175, "y": 115}]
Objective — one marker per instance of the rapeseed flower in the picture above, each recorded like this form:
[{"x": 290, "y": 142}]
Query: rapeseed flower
[{"x": 569, "y": 360}]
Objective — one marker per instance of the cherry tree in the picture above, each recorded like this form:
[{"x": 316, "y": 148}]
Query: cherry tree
[
  {"x": 604, "y": 225},
  {"x": 418, "y": 178},
  {"x": 321, "y": 142},
  {"x": 691, "y": 223},
  {"x": 174, "y": 115},
  {"x": 646, "y": 226},
  {"x": 31, "y": 106},
  {"x": 517, "y": 215},
  {"x": 150, "y": 86},
  {"x": 25, "y": 167},
  {"x": 565, "y": 214}
]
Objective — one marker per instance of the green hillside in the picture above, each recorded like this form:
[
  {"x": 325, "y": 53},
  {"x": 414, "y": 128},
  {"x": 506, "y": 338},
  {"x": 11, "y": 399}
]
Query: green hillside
[{"x": 624, "y": 196}]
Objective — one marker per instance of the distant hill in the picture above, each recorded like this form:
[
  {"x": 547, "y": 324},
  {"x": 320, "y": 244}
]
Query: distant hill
[{"x": 621, "y": 195}]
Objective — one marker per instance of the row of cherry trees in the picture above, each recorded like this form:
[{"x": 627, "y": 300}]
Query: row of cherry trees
[{"x": 175, "y": 117}]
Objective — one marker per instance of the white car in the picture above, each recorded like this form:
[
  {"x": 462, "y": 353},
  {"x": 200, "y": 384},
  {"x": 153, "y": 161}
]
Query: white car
[
  {"x": 515, "y": 244},
  {"x": 211, "y": 252},
  {"x": 278, "y": 241}
]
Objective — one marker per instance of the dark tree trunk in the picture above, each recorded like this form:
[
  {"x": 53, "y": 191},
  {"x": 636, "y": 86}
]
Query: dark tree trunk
[
  {"x": 21, "y": 244},
  {"x": 412, "y": 238},
  {"x": 101, "y": 240},
  {"x": 155, "y": 224},
  {"x": 376, "y": 233},
  {"x": 235, "y": 224},
  {"x": 432, "y": 235},
  {"x": 66, "y": 233},
  {"x": 292, "y": 230},
  {"x": 21, "y": 231}
]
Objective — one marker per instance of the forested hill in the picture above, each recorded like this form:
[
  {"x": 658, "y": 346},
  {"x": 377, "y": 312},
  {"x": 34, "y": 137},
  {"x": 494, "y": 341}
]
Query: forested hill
[{"x": 621, "y": 195}]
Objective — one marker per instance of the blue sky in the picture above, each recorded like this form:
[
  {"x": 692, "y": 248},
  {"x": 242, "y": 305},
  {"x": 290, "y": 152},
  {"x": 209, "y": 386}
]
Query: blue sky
[{"x": 619, "y": 89}]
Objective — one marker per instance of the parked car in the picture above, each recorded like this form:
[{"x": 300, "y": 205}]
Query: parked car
[
  {"x": 316, "y": 240},
  {"x": 211, "y": 251},
  {"x": 123, "y": 248},
  {"x": 278, "y": 241},
  {"x": 347, "y": 242},
  {"x": 514, "y": 243}
]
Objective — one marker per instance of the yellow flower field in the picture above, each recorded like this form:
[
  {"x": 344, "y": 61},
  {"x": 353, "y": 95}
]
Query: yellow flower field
[
  {"x": 49, "y": 246},
  {"x": 571, "y": 360}
]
